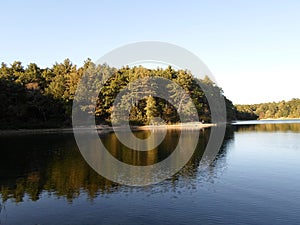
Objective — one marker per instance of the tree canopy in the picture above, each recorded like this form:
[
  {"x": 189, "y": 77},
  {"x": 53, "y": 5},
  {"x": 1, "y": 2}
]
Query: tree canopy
[
  {"x": 32, "y": 96},
  {"x": 271, "y": 110}
]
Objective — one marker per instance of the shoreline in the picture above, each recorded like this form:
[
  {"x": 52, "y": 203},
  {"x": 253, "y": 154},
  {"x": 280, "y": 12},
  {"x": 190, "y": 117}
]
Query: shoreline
[
  {"x": 184, "y": 126},
  {"x": 281, "y": 118},
  {"x": 268, "y": 119},
  {"x": 104, "y": 129}
]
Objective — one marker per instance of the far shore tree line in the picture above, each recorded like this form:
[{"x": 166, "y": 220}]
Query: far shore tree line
[
  {"x": 35, "y": 97},
  {"x": 271, "y": 110}
]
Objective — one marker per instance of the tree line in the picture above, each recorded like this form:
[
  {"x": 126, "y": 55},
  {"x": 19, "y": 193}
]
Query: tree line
[
  {"x": 271, "y": 110},
  {"x": 35, "y": 97}
]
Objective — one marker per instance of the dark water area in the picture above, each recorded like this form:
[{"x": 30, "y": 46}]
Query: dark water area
[{"x": 255, "y": 179}]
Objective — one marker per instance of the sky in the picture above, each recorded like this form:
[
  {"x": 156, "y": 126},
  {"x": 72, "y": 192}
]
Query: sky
[{"x": 251, "y": 47}]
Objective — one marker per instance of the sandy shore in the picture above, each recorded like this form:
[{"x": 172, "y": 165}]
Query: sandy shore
[{"x": 183, "y": 126}]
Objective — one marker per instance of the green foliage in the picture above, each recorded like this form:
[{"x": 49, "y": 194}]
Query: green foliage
[
  {"x": 150, "y": 109},
  {"x": 43, "y": 97},
  {"x": 272, "y": 110}
]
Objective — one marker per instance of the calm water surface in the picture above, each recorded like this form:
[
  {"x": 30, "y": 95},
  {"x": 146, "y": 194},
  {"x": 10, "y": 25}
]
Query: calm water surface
[{"x": 254, "y": 180}]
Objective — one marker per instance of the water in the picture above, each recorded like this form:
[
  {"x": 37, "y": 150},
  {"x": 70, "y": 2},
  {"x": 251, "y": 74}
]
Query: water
[{"x": 254, "y": 180}]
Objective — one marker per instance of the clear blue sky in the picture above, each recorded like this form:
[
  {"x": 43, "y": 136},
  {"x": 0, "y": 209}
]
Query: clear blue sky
[{"x": 252, "y": 47}]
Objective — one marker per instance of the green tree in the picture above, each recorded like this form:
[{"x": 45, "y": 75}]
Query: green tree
[{"x": 150, "y": 109}]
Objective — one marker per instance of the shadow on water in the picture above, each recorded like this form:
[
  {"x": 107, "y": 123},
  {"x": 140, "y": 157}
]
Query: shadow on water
[{"x": 52, "y": 164}]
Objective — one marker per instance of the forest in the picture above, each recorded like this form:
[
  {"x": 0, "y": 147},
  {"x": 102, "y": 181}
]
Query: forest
[
  {"x": 271, "y": 110},
  {"x": 34, "y": 97}
]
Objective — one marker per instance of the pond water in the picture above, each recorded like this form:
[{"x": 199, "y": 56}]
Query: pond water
[{"x": 255, "y": 179}]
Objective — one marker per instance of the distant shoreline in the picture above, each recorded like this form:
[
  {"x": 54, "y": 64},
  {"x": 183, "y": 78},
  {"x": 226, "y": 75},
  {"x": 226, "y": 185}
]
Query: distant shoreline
[{"x": 282, "y": 118}]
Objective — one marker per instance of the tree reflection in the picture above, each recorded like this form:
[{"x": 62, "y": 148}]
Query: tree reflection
[
  {"x": 270, "y": 127},
  {"x": 52, "y": 163}
]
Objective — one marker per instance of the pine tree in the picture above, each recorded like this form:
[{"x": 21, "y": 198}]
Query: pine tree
[{"x": 151, "y": 110}]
